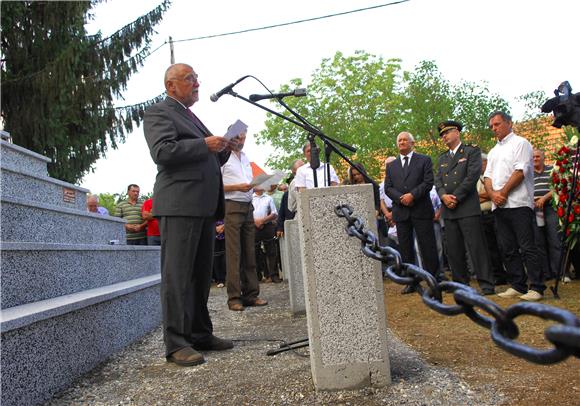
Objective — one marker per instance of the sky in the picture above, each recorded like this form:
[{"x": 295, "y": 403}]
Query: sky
[{"x": 515, "y": 46}]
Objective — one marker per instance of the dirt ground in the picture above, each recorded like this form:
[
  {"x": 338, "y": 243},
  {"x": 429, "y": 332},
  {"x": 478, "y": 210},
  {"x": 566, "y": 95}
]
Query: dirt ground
[{"x": 466, "y": 348}]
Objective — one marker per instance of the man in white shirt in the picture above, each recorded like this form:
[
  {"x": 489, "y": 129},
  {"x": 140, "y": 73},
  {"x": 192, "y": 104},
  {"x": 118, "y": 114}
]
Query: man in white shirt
[
  {"x": 305, "y": 175},
  {"x": 265, "y": 215},
  {"x": 241, "y": 277},
  {"x": 509, "y": 182}
]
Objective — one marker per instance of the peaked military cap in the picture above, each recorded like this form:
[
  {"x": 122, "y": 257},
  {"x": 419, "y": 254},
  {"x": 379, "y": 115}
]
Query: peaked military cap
[{"x": 445, "y": 126}]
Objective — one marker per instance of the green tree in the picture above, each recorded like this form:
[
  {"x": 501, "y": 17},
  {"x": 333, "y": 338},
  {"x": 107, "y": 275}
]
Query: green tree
[
  {"x": 353, "y": 99},
  {"x": 59, "y": 84},
  {"x": 366, "y": 101}
]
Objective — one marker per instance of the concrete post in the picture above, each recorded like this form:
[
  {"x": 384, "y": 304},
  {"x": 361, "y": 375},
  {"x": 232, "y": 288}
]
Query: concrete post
[
  {"x": 294, "y": 265},
  {"x": 343, "y": 291}
]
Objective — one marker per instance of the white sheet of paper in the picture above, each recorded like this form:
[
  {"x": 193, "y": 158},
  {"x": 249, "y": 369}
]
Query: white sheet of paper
[
  {"x": 236, "y": 129},
  {"x": 273, "y": 179},
  {"x": 259, "y": 179}
]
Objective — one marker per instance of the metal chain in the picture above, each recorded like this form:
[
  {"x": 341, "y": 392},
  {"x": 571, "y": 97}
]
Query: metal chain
[{"x": 564, "y": 336}]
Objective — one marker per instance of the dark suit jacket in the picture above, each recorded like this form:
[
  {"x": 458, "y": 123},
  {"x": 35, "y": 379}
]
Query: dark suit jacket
[
  {"x": 189, "y": 181},
  {"x": 418, "y": 182},
  {"x": 458, "y": 176}
]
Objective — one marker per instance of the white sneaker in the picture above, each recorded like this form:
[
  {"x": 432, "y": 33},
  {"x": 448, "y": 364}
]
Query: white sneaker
[
  {"x": 220, "y": 285},
  {"x": 511, "y": 292},
  {"x": 532, "y": 296},
  {"x": 566, "y": 279}
]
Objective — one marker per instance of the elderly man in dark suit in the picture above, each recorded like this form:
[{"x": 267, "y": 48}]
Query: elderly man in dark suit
[
  {"x": 408, "y": 181},
  {"x": 456, "y": 183},
  {"x": 188, "y": 197}
]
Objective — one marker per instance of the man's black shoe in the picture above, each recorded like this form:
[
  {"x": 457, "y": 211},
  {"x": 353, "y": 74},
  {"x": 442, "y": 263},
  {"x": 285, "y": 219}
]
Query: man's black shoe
[
  {"x": 213, "y": 344},
  {"x": 276, "y": 279},
  {"x": 487, "y": 292},
  {"x": 186, "y": 357},
  {"x": 408, "y": 289}
]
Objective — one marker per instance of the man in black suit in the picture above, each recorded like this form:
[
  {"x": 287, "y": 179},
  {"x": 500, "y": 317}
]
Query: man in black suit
[
  {"x": 188, "y": 197},
  {"x": 408, "y": 181},
  {"x": 456, "y": 183}
]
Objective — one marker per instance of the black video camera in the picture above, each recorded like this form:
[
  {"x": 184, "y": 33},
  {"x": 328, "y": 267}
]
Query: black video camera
[{"x": 565, "y": 106}]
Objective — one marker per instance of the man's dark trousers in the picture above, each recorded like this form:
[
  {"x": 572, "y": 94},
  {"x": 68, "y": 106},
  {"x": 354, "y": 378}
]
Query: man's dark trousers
[
  {"x": 515, "y": 232},
  {"x": 186, "y": 263}
]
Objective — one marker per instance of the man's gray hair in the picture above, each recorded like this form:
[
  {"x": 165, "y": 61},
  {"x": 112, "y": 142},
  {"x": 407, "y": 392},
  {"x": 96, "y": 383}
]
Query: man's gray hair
[
  {"x": 408, "y": 134},
  {"x": 95, "y": 197}
]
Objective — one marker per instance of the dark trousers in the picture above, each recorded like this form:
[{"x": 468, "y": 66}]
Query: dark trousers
[
  {"x": 153, "y": 240},
  {"x": 241, "y": 279},
  {"x": 426, "y": 239},
  {"x": 186, "y": 265},
  {"x": 138, "y": 241},
  {"x": 493, "y": 251},
  {"x": 549, "y": 242},
  {"x": 515, "y": 232},
  {"x": 269, "y": 257},
  {"x": 219, "y": 261},
  {"x": 465, "y": 236}
]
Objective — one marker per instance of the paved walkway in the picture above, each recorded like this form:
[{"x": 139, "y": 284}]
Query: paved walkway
[{"x": 247, "y": 376}]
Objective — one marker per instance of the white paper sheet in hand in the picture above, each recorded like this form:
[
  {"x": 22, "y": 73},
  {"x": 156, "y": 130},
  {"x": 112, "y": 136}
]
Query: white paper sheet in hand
[
  {"x": 270, "y": 180},
  {"x": 236, "y": 129}
]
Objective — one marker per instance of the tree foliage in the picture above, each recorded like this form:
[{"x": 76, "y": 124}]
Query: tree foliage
[
  {"x": 58, "y": 83},
  {"x": 365, "y": 101}
]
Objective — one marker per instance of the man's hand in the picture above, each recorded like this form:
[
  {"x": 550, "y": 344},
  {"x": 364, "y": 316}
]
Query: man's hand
[
  {"x": 407, "y": 199},
  {"x": 279, "y": 233},
  {"x": 244, "y": 187},
  {"x": 540, "y": 202},
  {"x": 216, "y": 144},
  {"x": 498, "y": 198},
  {"x": 450, "y": 201},
  {"x": 259, "y": 223},
  {"x": 219, "y": 228}
]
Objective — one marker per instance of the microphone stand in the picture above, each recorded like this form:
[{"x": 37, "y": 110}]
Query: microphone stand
[{"x": 329, "y": 147}]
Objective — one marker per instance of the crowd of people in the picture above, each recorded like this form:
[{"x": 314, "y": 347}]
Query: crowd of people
[{"x": 477, "y": 216}]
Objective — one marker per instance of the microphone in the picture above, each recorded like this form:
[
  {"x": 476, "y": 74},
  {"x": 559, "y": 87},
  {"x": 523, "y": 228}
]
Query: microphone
[
  {"x": 295, "y": 93},
  {"x": 214, "y": 97},
  {"x": 314, "y": 154}
]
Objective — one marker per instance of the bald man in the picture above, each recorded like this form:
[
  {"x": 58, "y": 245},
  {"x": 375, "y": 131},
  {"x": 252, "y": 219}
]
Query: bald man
[{"x": 188, "y": 196}]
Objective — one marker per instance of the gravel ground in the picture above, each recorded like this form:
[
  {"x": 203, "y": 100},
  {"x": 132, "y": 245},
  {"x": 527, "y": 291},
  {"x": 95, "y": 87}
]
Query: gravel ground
[{"x": 247, "y": 376}]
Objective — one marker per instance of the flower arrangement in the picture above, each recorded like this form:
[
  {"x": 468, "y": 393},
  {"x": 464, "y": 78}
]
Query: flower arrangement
[{"x": 562, "y": 193}]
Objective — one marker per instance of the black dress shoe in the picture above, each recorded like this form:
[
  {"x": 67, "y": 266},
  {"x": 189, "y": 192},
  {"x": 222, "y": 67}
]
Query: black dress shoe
[
  {"x": 276, "y": 279},
  {"x": 487, "y": 292},
  {"x": 213, "y": 344},
  {"x": 186, "y": 357},
  {"x": 408, "y": 289}
]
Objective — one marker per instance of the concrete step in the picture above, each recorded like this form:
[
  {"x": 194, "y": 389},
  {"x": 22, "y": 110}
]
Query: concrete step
[
  {"x": 40, "y": 271},
  {"x": 42, "y": 189},
  {"x": 22, "y": 160},
  {"x": 25, "y": 221},
  {"x": 46, "y": 345}
]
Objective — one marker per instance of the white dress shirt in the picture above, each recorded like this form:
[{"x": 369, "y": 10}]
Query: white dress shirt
[
  {"x": 305, "y": 177},
  {"x": 511, "y": 154},
  {"x": 263, "y": 206},
  {"x": 237, "y": 170}
]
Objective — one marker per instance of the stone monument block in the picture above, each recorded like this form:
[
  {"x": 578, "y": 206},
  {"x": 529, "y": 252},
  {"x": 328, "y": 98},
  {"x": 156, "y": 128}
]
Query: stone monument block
[
  {"x": 343, "y": 291},
  {"x": 294, "y": 262}
]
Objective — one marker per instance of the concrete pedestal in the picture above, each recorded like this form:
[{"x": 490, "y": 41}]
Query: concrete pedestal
[{"x": 343, "y": 292}]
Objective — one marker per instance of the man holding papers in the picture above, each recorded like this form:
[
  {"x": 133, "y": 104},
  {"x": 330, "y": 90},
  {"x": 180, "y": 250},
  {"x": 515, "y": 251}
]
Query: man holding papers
[{"x": 241, "y": 277}]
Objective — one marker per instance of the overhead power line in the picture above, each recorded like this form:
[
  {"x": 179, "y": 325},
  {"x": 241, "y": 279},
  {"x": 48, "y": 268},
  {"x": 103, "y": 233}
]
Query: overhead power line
[{"x": 267, "y": 27}]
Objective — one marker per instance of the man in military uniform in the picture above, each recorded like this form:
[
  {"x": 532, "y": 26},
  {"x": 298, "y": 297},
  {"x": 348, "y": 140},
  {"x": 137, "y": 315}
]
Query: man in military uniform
[{"x": 456, "y": 180}]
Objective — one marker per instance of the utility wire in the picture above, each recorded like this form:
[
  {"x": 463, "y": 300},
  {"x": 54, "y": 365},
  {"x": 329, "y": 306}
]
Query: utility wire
[{"x": 267, "y": 27}]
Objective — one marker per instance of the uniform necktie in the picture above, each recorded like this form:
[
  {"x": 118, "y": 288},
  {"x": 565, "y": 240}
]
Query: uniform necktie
[
  {"x": 451, "y": 154},
  {"x": 405, "y": 164}
]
